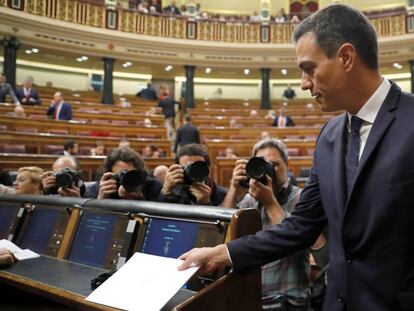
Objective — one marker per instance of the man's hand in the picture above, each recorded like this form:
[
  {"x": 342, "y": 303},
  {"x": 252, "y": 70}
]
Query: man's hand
[
  {"x": 201, "y": 191},
  {"x": 239, "y": 173},
  {"x": 24, "y": 99},
  {"x": 6, "y": 257},
  {"x": 209, "y": 259},
  {"x": 48, "y": 181},
  {"x": 71, "y": 191},
  {"x": 107, "y": 186},
  {"x": 174, "y": 176},
  {"x": 123, "y": 194}
]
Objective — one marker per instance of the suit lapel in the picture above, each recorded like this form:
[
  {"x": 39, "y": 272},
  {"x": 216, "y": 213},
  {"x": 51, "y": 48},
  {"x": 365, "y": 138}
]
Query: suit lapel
[
  {"x": 379, "y": 128},
  {"x": 338, "y": 164}
]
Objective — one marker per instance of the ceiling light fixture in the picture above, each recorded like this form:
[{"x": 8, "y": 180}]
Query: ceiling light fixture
[
  {"x": 208, "y": 70},
  {"x": 168, "y": 68},
  {"x": 284, "y": 71},
  {"x": 246, "y": 71}
]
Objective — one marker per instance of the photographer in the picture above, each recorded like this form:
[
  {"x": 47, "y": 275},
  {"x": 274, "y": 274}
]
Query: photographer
[
  {"x": 125, "y": 177},
  {"x": 191, "y": 185},
  {"x": 285, "y": 282},
  {"x": 64, "y": 179}
]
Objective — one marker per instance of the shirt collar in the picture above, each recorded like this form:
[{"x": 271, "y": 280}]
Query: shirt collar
[{"x": 370, "y": 109}]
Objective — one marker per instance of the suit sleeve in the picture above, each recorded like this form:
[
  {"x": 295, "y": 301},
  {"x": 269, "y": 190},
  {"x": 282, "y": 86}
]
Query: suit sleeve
[
  {"x": 69, "y": 112},
  {"x": 37, "y": 99},
  {"x": 50, "y": 111},
  {"x": 177, "y": 140},
  {"x": 274, "y": 122},
  {"x": 294, "y": 233}
]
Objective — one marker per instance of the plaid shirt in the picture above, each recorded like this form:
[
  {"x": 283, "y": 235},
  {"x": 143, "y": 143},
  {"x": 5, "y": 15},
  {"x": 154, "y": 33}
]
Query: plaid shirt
[{"x": 287, "y": 277}]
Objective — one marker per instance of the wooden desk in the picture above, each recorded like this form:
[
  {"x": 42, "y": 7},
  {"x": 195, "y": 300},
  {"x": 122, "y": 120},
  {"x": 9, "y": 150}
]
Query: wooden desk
[
  {"x": 63, "y": 281},
  {"x": 36, "y": 142},
  {"x": 74, "y": 128}
]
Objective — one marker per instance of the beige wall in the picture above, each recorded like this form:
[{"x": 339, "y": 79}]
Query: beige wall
[{"x": 247, "y": 7}]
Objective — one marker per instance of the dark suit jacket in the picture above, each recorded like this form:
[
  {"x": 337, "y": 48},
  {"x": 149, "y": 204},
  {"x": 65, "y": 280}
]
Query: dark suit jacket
[
  {"x": 148, "y": 93},
  {"x": 168, "y": 107},
  {"x": 289, "y": 121},
  {"x": 187, "y": 134},
  {"x": 65, "y": 112},
  {"x": 33, "y": 94},
  {"x": 371, "y": 231}
]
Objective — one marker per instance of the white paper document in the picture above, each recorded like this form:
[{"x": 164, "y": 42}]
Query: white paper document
[
  {"x": 144, "y": 283},
  {"x": 20, "y": 254}
]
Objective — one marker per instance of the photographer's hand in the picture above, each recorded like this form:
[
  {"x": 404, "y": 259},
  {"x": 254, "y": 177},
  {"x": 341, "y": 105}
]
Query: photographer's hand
[
  {"x": 174, "y": 176},
  {"x": 202, "y": 192},
  {"x": 107, "y": 186},
  {"x": 71, "y": 191},
  {"x": 264, "y": 194},
  {"x": 123, "y": 194},
  {"x": 239, "y": 173},
  {"x": 48, "y": 181}
]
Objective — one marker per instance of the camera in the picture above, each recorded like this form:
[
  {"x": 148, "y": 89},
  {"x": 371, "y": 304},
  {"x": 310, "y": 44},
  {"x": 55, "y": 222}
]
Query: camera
[
  {"x": 67, "y": 177},
  {"x": 196, "y": 172},
  {"x": 132, "y": 180},
  {"x": 257, "y": 168}
]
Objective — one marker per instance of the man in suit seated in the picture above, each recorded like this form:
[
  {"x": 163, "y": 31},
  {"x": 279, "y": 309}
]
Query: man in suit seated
[
  {"x": 285, "y": 282},
  {"x": 59, "y": 109},
  {"x": 27, "y": 95},
  {"x": 282, "y": 120},
  {"x": 177, "y": 189},
  {"x": 187, "y": 134},
  {"x": 114, "y": 183},
  {"x": 6, "y": 89},
  {"x": 67, "y": 165}
]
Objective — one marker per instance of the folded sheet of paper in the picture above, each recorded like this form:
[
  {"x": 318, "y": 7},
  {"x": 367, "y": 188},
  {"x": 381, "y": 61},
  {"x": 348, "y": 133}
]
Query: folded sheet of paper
[
  {"x": 144, "y": 283},
  {"x": 19, "y": 253}
]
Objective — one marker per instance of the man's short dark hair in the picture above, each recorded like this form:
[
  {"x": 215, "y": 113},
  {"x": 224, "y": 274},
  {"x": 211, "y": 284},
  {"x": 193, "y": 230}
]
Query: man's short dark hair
[
  {"x": 193, "y": 150},
  {"x": 187, "y": 118},
  {"x": 69, "y": 145},
  {"x": 125, "y": 155},
  {"x": 338, "y": 24}
]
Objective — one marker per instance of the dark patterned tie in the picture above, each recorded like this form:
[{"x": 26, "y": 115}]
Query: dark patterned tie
[{"x": 352, "y": 155}]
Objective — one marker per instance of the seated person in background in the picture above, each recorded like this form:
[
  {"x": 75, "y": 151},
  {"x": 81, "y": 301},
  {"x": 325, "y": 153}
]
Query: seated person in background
[
  {"x": 27, "y": 95},
  {"x": 147, "y": 122},
  {"x": 99, "y": 149},
  {"x": 289, "y": 93},
  {"x": 229, "y": 153},
  {"x": 285, "y": 282},
  {"x": 150, "y": 151},
  {"x": 124, "y": 103},
  {"x": 253, "y": 114},
  {"x": 265, "y": 134},
  {"x": 59, "y": 109},
  {"x": 218, "y": 93},
  {"x": 282, "y": 120},
  {"x": 65, "y": 165},
  {"x": 160, "y": 172},
  {"x": 6, "y": 89},
  {"x": 70, "y": 148},
  {"x": 178, "y": 186},
  {"x": 233, "y": 123},
  {"x": 124, "y": 143},
  {"x": 28, "y": 180},
  {"x": 148, "y": 93},
  {"x": 116, "y": 184},
  {"x": 6, "y": 257}
]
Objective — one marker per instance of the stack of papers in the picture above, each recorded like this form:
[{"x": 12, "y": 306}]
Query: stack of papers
[
  {"x": 20, "y": 254},
  {"x": 144, "y": 283}
]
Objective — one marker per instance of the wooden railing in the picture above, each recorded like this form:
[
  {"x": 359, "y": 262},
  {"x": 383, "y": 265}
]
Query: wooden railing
[{"x": 95, "y": 15}]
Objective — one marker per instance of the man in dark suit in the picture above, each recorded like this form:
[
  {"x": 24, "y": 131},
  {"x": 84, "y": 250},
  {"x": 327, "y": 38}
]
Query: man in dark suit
[
  {"x": 27, "y": 95},
  {"x": 59, "y": 109},
  {"x": 168, "y": 105},
  {"x": 362, "y": 179},
  {"x": 187, "y": 134},
  {"x": 289, "y": 93},
  {"x": 282, "y": 120},
  {"x": 148, "y": 93}
]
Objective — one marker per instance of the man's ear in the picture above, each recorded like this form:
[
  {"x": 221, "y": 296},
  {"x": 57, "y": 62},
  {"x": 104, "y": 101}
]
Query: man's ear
[{"x": 347, "y": 55}]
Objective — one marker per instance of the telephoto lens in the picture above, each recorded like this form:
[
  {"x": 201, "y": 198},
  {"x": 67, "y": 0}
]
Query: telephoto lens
[{"x": 196, "y": 172}]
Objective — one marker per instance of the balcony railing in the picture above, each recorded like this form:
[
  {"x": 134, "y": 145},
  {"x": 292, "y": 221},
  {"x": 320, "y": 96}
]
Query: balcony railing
[{"x": 81, "y": 12}]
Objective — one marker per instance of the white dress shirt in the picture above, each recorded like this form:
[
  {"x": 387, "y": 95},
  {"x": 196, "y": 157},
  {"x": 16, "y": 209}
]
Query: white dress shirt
[{"x": 369, "y": 112}]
